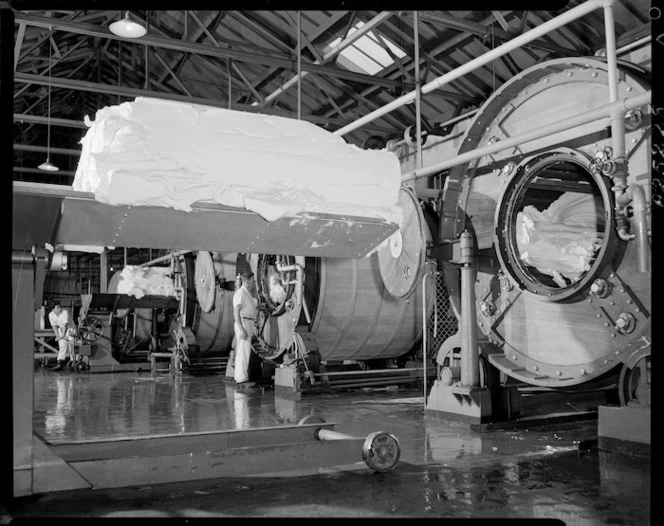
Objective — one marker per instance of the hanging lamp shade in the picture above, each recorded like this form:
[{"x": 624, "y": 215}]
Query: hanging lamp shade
[
  {"x": 127, "y": 28},
  {"x": 48, "y": 166}
]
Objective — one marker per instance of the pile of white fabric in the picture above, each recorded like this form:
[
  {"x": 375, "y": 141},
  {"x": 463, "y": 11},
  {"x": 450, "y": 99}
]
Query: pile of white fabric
[
  {"x": 561, "y": 241},
  {"x": 140, "y": 281},
  {"x": 164, "y": 153}
]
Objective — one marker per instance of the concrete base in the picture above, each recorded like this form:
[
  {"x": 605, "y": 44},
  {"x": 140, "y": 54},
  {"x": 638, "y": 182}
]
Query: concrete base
[
  {"x": 287, "y": 383},
  {"x": 624, "y": 430},
  {"x": 455, "y": 403}
]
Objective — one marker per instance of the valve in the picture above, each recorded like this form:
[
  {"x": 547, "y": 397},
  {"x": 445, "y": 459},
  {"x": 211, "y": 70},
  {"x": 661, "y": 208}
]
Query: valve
[{"x": 625, "y": 323}]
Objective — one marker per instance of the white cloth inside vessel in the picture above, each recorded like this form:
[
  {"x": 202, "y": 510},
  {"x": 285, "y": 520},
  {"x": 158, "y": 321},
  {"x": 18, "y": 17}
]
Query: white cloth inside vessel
[
  {"x": 562, "y": 240},
  {"x": 172, "y": 154},
  {"x": 140, "y": 281}
]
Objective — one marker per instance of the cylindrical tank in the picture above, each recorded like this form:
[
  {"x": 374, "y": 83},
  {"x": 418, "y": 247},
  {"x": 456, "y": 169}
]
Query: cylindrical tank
[
  {"x": 209, "y": 302},
  {"x": 558, "y": 293},
  {"x": 352, "y": 315}
]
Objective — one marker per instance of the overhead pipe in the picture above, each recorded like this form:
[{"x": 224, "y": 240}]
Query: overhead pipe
[
  {"x": 38, "y": 119},
  {"x": 44, "y": 149},
  {"x": 167, "y": 257},
  {"x": 393, "y": 145},
  {"x": 543, "y": 29},
  {"x": 378, "y": 19},
  {"x": 555, "y": 127}
]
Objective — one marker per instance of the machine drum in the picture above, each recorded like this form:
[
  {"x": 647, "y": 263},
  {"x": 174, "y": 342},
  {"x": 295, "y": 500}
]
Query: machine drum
[{"x": 561, "y": 289}]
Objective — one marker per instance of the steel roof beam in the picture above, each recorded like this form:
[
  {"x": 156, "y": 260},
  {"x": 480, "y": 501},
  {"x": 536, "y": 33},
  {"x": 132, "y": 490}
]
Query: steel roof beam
[
  {"x": 200, "y": 49},
  {"x": 93, "y": 87}
]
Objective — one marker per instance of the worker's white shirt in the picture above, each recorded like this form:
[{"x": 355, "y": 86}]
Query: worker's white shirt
[
  {"x": 62, "y": 320},
  {"x": 248, "y": 303}
]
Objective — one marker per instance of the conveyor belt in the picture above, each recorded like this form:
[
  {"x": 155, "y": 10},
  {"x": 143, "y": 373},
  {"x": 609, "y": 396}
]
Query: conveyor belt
[{"x": 57, "y": 214}]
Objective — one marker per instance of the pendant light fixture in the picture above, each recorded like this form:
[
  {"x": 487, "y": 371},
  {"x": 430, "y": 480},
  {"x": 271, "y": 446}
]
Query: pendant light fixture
[
  {"x": 48, "y": 166},
  {"x": 127, "y": 28}
]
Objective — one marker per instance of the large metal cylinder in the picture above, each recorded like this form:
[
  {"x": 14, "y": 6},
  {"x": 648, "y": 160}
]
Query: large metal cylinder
[
  {"x": 559, "y": 294},
  {"x": 209, "y": 302},
  {"x": 351, "y": 314}
]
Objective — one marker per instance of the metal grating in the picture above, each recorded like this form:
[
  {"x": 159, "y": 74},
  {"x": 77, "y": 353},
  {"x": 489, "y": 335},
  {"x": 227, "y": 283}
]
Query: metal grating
[{"x": 442, "y": 322}]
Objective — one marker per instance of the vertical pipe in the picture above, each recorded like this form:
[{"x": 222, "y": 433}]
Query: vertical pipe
[
  {"x": 424, "y": 333},
  {"x": 299, "y": 65},
  {"x": 418, "y": 93},
  {"x": 617, "y": 116},
  {"x": 469, "y": 351},
  {"x": 119, "y": 67},
  {"x": 103, "y": 272},
  {"x": 228, "y": 72},
  {"x": 147, "y": 53}
]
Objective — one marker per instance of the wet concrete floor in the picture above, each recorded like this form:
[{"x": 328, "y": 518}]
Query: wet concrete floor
[{"x": 445, "y": 469}]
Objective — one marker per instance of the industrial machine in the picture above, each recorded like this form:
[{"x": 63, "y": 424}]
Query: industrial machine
[
  {"x": 114, "y": 327},
  {"x": 547, "y": 242},
  {"x": 335, "y": 323}
]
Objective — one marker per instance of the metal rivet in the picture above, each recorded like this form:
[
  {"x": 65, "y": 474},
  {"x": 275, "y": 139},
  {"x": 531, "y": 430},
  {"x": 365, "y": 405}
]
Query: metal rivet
[
  {"x": 629, "y": 88},
  {"x": 569, "y": 73},
  {"x": 634, "y": 140},
  {"x": 546, "y": 80},
  {"x": 590, "y": 300},
  {"x": 612, "y": 303},
  {"x": 535, "y": 368},
  {"x": 637, "y": 310},
  {"x": 617, "y": 353},
  {"x": 606, "y": 324},
  {"x": 629, "y": 302},
  {"x": 613, "y": 335},
  {"x": 514, "y": 357},
  {"x": 594, "y": 74},
  {"x": 599, "y": 315},
  {"x": 622, "y": 291},
  {"x": 558, "y": 373},
  {"x": 583, "y": 371},
  {"x": 606, "y": 361}
]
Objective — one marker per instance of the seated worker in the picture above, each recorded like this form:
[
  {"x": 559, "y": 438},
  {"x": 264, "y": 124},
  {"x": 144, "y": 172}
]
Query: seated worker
[
  {"x": 244, "y": 314},
  {"x": 64, "y": 330}
]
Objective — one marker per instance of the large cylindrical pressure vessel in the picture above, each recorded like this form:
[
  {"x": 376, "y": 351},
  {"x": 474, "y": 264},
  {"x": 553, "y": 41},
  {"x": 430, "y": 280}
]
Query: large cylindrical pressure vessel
[
  {"x": 561, "y": 293},
  {"x": 347, "y": 307},
  {"x": 209, "y": 279}
]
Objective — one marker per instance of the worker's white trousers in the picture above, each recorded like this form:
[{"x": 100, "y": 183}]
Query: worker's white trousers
[
  {"x": 65, "y": 347},
  {"x": 242, "y": 351}
]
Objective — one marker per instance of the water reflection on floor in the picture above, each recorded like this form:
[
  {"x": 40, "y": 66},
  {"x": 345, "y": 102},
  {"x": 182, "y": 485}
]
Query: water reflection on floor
[{"x": 445, "y": 470}]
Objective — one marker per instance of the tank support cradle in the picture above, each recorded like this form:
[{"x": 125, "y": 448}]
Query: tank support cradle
[{"x": 465, "y": 399}]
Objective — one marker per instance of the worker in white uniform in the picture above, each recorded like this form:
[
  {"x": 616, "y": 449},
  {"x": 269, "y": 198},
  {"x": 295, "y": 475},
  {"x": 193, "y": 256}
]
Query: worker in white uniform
[
  {"x": 244, "y": 313},
  {"x": 64, "y": 330}
]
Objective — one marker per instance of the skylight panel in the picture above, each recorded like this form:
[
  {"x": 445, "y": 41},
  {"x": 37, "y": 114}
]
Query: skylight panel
[{"x": 367, "y": 55}]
